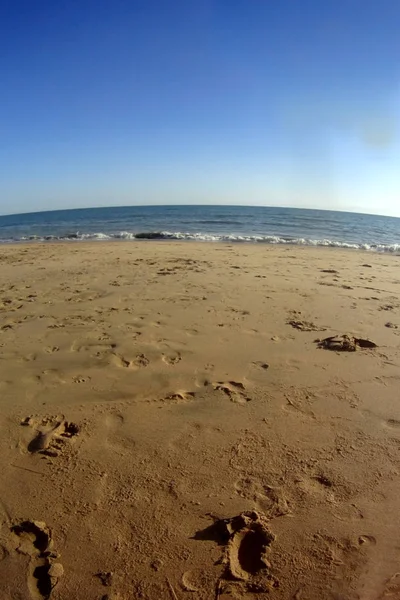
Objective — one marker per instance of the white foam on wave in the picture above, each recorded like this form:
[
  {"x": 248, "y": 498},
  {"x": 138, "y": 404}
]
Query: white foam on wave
[
  {"x": 94, "y": 236},
  {"x": 207, "y": 237},
  {"x": 125, "y": 235}
]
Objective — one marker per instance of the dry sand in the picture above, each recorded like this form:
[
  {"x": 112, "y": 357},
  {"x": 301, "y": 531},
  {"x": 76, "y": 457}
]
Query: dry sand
[{"x": 152, "y": 393}]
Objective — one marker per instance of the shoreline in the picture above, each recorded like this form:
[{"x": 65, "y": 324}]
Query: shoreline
[{"x": 191, "y": 242}]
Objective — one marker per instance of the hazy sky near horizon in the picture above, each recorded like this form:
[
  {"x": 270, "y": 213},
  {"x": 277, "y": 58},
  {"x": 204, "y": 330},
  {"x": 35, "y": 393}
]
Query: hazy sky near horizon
[{"x": 282, "y": 103}]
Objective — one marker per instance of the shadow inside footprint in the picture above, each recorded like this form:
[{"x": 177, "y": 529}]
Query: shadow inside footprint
[
  {"x": 41, "y": 574},
  {"x": 44, "y": 440},
  {"x": 235, "y": 390},
  {"x": 37, "y": 532},
  {"x": 216, "y": 532},
  {"x": 247, "y": 552}
]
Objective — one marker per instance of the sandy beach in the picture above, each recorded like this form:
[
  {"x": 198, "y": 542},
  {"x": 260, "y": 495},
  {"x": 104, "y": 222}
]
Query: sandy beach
[{"x": 171, "y": 427}]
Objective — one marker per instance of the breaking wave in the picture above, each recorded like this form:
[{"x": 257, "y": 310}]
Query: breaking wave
[{"x": 204, "y": 237}]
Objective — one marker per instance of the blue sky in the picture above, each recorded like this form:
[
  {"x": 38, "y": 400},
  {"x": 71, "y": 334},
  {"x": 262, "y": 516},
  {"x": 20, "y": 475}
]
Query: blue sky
[{"x": 289, "y": 102}]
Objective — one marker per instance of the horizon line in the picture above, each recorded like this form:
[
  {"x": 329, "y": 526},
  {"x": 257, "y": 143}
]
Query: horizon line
[{"x": 197, "y": 205}]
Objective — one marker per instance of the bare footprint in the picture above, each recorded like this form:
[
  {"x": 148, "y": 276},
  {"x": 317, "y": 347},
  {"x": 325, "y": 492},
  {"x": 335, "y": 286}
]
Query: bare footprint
[
  {"x": 261, "y": 365},
  {"x": 392, "y": 588},
  {"x": 180, "y": 396},
  {"x": 120, "y": 361},
  {"x": 393, "y": 423},
  {"x": 172, "y": 359},
  {"x": 114, "y": 421},
  {"x": 52, "y": 349},
  {"x": 81, "y": 379},
  {"x": 94, "y": 349},
  {"x": 367, "y": 539},
  {"x": 51, "y": 435},
  {"x": 299, "y": 405},
  {"x": 117, "y": 437},
  {"x": 34, "y": 539},
  {"x": 322, "y": 488},
  {"x": 141, "y": 360},
  {"x": 305, "y": 325},
  {"x": 247, "y": 541},
  {"x": 249, "y": 547},
  {"x": 269, "y": 499},
  {"x": 234, "y": 390}
]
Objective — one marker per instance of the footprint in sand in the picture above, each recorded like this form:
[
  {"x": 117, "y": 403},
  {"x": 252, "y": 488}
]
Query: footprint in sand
[
  {"x": 198, "y": 579},
  {"x": 269, "y": 499},
  {"x": 234, "y": 390},
  {"x": 34, "y": 539},
  {"x": 249, "y": 547},
  {"x": 51, "y": 435},
  {"x": 50, "y": 376},
  {"x": 367, "y": 539},
  {"x": 52, "y": 349},
  {"x": 261, "y": 365},
  {"x": 105, "y": 578},
  {"x": 305, "y": 325},
  {"x": 247, "y": 543},
  {"x": 117, "y": 437},
  {"x": 392, "y": 588},
  {"x": 190, "y": 332},
  {"x": 172, "y": 359},
  {"x": 393, "y": 423},
  {"x": 141, "y": 360},
  {"x": 29, "y": 357},
  {"x": 180, "y": 396},
  {"x": 320, "y": 488},
  {"x": 300, "y": 404},
  {"x": 114, "y": 421},
  {"x": 344, "y": 343},
  {"x": 120, "y": 361},
  {"x": 132, "y": 331},
  {"x": 94, "y": 350},
  {"x": 80, "y": 379}
]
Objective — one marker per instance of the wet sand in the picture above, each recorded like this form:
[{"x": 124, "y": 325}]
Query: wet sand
[{"x": 171, "y": 428}]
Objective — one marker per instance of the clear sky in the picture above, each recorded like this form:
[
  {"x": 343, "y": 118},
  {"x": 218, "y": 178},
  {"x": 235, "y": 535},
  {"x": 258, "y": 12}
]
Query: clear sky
[{"x": 272, "y": 102}]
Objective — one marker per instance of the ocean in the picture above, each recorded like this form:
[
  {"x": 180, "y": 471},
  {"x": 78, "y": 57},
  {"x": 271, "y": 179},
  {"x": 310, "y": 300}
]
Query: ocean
[{"x": 207, "y": 223}]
